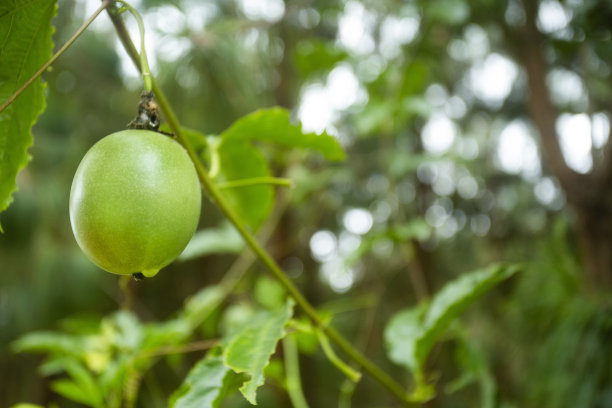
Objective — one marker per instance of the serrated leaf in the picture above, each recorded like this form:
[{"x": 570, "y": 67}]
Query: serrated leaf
[
  {"x": 274, "y": 125},
  {"x": 249, "y": 350},
  {"x": 411, "y": 333},
  {"x": 222, "y": 240},
  {"x": 204, "y": 386},
  {"x": 25, "y": 41},
  {"x": 455, "y": 297}
]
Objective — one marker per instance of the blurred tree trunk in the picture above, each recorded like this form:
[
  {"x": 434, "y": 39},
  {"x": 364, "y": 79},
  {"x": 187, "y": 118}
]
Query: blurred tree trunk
[{"x": 589, "y": 195}]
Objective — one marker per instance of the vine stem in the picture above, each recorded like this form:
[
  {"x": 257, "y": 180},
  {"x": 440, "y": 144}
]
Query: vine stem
[
  {"x": 292, "y": 370},
  {"x": 255, "y": 181},
  {"x": 55, "y": 56},
  {"x": 144, "y": 62},
  {"x": 264, "y": 257}
]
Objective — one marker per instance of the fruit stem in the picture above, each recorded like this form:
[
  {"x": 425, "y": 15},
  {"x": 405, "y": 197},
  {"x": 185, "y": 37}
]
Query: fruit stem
[{"x": 215, "y": 195}]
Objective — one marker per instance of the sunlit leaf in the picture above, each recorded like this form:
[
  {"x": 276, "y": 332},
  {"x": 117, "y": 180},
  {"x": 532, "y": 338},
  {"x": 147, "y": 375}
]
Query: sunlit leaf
[
  {"x": 250, "y": 349},
  {"x": 274, "y": 125},
  {"x": 25, "y": 45}
]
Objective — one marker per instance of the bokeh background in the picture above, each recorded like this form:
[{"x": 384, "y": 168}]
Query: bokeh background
[{"x": 481, "y": 126}]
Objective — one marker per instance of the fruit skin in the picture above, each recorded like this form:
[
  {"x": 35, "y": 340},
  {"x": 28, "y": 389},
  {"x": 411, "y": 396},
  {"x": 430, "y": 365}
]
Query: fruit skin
[{"x": 135, "y": 202}]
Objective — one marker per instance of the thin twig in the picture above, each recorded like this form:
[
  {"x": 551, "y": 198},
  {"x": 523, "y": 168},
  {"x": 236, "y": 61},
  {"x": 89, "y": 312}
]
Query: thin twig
[{"x": 51, "y": 60}]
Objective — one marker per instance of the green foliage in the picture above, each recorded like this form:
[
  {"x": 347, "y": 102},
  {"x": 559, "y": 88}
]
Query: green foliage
[
  {"x": 269, "y": 293},
  {"x": 541, "y": 342},
  {"x": 239, "y": 159},
  {"x": 250, "y": 349},
  {"x": 25, "y": 30},
  {"x": 205, "y": 385},
  {"x": 274, "y": 125},
  {"x": 411, "y": 333},
  {"x": 101, "y": 360},
  {"x": 81, "y": 386}
]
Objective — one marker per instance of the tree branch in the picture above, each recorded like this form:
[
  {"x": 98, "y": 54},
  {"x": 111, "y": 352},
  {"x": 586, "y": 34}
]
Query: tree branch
[{"x": 577, "y": 186}]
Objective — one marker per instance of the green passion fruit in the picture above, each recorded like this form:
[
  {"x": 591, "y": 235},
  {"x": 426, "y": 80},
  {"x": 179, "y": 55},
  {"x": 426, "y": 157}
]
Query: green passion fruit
[{"x": 135, "y": 202}]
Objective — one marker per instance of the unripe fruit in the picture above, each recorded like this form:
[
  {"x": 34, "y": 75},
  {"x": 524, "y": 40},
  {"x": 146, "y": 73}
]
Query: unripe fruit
[{"x": 134, "y": 202}]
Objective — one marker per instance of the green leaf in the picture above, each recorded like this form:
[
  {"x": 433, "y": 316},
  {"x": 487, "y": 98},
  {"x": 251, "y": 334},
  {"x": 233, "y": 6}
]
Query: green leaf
[
  {"x": 85, "y": 381},
  {"x": 222, "y": 240},
  {"x": 402, "y": 335},
  {"x": 411, "y": 333},
  {"x": 26, "y": 405},
  {"x": 49, "y": 342},
  {"x": 73, "y": 391},
  {"x": 235, "y": 158},
  {"x": 239, "y": 160},
  {"x": 204, "y": 386},
  {"x": 249, "y": 351},
  {"x": 25, "y": 45},
  {"x": 455, "y": 297},
  {"x": 274, "y": 125}
]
